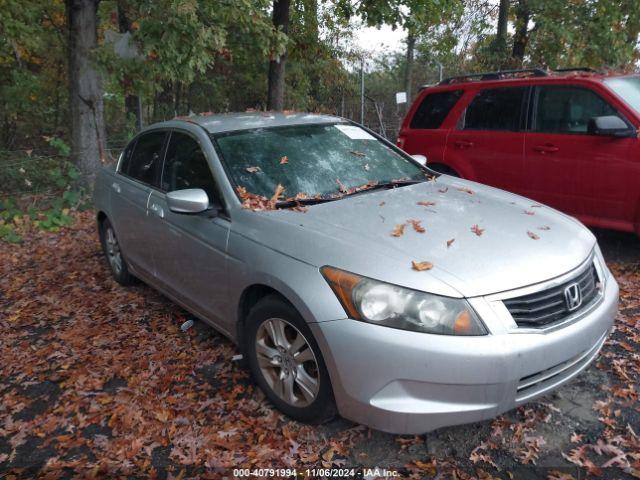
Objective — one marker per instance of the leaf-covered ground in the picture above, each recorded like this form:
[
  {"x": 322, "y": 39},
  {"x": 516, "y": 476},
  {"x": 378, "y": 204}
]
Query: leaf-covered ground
[{"x": 97, "y": 380}]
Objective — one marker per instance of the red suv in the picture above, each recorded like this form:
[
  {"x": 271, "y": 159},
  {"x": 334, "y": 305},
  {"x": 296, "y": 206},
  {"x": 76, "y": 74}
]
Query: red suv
[{"x": 568, "y": 139}]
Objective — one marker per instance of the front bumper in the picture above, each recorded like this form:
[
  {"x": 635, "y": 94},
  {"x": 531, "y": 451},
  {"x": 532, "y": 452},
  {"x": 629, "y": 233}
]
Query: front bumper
[{"x": 410, "y": 383}]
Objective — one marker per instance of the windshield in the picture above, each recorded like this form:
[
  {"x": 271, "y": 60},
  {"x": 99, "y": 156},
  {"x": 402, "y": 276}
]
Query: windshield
[
  {"x": 628, "y": 88},
  {"x": 311, "y": 160}
]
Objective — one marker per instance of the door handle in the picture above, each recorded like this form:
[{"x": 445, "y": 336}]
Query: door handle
[
  {"x": 548, "y": 148},
  {"x": 116, "y": 187},
  {"x": 463, "y": 144},
  {"x": 157, "y": 209}
]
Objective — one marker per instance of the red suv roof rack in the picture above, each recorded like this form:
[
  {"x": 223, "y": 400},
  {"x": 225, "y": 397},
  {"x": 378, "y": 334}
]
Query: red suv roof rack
[{"x": 535, "y": 72}]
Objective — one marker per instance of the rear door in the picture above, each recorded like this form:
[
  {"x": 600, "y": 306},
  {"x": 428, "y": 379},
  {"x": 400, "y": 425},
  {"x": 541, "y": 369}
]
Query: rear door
[
  {"x": 488, "y": 143},
  {"x": 190, "y": 248},
  {"x": 426, "y": 133},
  {"x": 569, "y": 168},
  {"x": 138, "y": 171}
]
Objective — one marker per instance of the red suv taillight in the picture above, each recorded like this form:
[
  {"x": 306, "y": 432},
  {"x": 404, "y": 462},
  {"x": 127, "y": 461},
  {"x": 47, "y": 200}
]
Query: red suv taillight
[{"x": 400, "y": 142}]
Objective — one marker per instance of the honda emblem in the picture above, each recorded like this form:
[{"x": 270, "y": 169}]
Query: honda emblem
[{"x": 573, "y": 296}]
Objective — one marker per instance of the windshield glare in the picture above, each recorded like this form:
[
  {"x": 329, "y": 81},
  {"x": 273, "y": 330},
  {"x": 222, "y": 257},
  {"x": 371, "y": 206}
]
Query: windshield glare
[
  {"x": 628, "y": 88},
  {"x": 310, "y": 160}
]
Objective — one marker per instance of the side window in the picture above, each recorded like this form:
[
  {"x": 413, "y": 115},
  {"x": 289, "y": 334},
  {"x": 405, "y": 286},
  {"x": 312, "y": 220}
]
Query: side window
[
  {"x": 564, "y": 109},
  {"x": 496, "y": 109},
  {"x": 126, "y": 157},
  {"x": 185, "y": 166},
  {"x": 434, "y": 109},
  {"x": 145, "y": 162}
]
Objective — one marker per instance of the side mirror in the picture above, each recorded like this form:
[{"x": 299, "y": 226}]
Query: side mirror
[
  {"x": 610, "y": 125},
  {"x": 190, "y": 200},
  {"x": 420, "y": 159}
]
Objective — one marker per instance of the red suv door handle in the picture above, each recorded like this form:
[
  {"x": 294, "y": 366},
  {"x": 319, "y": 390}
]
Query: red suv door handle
[
  {"x": 548, "y": 148},
  {"x": 463, "y": 144}
]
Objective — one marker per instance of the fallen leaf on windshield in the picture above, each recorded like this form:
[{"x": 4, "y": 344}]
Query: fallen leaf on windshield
[
  {"x": 443, "y": 190},
  {"x": 357, "y": 154},
  {"x": 450, "y": 242},
  {"x": 477, "y": 230},
  {"x": 466, "y": 190},
  {"x": 284, "y": 160},
  {"x": 253, "y": 169},
  {"x": 399, "y": 230},
  {"x": 342, "y": 187},
  {"x": 544, "y": 227},
  {"x": 529, "y": 212},
  {"x": 277, "y": 195},
  {"x": 416, "y": 226},
  {"x": 367, "y": 167},
  {"x": 533, "y": 235},
  {"x": 421, "y": 266},
  {"x": 426, "y": 203}
]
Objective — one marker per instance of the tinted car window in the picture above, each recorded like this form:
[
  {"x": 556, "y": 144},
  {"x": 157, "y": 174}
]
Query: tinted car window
[
  {"x": 495, "y": 109},
  {"x": 145, "y": 161},
  {"x": 126, "y": 157},
  {"x": 563, "y": 109},
  {"x": 434, "y": 109},
  {"x": 185, "y": 166}
]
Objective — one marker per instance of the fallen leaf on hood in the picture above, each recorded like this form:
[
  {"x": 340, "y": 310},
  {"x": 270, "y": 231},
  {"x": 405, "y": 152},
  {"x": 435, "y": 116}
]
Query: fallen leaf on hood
[
  {"x": 284, "y": 160},
  {"x": 399, "y": 230},
  {"x": 450, "y": 242},
  {"x": 536, "y": 206},
  {"x": 477, "y": 230},
  {"x": 277, "y": 195},
  {"x": 529, "y": 212},
  {"x": 421, "y": 266},
  {"x": 466, "y": 190},
  {"x": 381, "y": 204},
  {"x": 533, "y": 235},
  {"x": 545, "y": 227},
  {"x": 253, "y": 169},
  {"x": 443, "y": 190},
  {"x": 416, "y": 226},
  {"x": 426, "y": 204}
]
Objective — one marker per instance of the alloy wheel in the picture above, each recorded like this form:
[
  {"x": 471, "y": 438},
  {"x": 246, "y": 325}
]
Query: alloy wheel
[{"x": 113, "y": 250}]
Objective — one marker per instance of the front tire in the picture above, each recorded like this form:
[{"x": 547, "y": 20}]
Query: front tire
[
  {"x": 113, "y": 254},
  {"x": 286, "y": 363}
]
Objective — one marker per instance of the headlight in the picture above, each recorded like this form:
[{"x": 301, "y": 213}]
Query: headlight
[{"x": 385, "y": 304}]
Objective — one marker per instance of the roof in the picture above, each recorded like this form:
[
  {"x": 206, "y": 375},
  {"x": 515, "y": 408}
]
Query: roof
[{"x": 226, "y": 122}]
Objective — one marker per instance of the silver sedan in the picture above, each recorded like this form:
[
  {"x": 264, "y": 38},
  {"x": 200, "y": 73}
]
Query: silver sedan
[{"x": 354, "y": 279}]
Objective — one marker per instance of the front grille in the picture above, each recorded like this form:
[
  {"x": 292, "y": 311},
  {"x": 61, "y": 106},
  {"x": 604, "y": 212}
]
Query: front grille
[{"x": 550, "y": 306}]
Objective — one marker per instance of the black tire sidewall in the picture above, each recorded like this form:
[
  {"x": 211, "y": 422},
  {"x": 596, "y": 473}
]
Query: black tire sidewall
[{"x": 323, "y": 407}]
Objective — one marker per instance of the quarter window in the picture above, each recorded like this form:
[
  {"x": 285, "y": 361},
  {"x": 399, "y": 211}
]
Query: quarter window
[
  {"x": 496, "y": 109},
  {"x": 434, "y": 109},
  {"x": 563, "y": 109},
  {"x": 186, "y": 166},
  {"x": 144, "y": 164}
]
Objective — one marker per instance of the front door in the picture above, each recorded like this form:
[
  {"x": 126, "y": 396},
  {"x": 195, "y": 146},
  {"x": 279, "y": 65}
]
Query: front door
[
  {"x": 489, "y": 140},
  {"x": 567, "y": 167},
  {"x": 190, "y": 249}
]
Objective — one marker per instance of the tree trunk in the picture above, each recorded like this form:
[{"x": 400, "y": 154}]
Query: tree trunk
[
  {"x": 85, "y": 90},
  {"x": 408, "y": 68},
  {"x": 275, "y": 97},
  {"x": 131, "y": 102},
  {"x": 521, "y": 36},
  {"x": 503, "y": 21}
]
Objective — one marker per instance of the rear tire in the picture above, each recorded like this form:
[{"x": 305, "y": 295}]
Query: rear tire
[
  {"x": 113, "y": 254},
  {"x": 286, "y": 362}
]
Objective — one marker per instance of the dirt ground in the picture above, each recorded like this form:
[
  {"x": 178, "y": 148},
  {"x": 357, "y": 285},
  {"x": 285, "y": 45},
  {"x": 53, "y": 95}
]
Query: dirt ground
[{"x": 99, "y": 381}]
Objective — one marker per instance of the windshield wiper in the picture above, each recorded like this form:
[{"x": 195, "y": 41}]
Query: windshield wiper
[
  {"x": 388, "y": 185},
  {"x": 305, "y": 201}
]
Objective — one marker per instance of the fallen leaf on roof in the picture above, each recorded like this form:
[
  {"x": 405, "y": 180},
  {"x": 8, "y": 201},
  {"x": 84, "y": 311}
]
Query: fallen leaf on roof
[
  {"x": 426, "y": 203},
  {"x": 450, "y": 242},
  {"x": 466, "y": 190},
  {"x": 253, "y": 169},
  {"x": 399, "y": 230},
  {"x": 416, "y": 224},
  {"x": 533, "y": 235},
  {"x": 284, "y": 160},
  {"x": 421, "y": 266},
  {"x": 477, "y": 230}
]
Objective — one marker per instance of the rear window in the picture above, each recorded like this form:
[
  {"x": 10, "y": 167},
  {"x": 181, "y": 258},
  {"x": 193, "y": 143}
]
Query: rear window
[
  {"x": 434, "y": 109},
  {"x": 496, "y": 109}
]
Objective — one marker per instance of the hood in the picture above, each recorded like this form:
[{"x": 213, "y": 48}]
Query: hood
[{"x": 520, "y": 242}]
